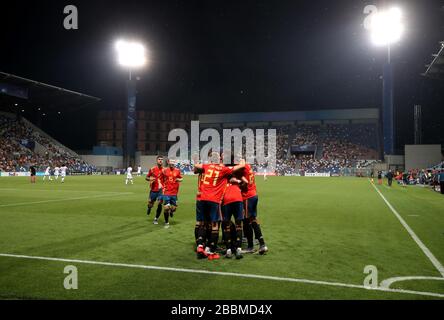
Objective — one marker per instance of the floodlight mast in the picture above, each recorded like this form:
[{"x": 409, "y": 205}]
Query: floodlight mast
[
  {"x": 131, "y": 55},
  {"x": 386, "y": 29}
]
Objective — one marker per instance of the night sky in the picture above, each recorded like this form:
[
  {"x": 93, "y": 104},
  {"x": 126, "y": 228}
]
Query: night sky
[{"x": 231, "y": 56}]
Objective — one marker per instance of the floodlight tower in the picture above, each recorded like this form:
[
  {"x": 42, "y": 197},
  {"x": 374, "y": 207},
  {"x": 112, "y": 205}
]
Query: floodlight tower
[
  {"x": 130, "y": 55},
  {"x": 386, "y": 28}
]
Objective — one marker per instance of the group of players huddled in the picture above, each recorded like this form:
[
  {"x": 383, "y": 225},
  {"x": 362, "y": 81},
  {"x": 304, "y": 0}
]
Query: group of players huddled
[{"x": 224, "y": 193}]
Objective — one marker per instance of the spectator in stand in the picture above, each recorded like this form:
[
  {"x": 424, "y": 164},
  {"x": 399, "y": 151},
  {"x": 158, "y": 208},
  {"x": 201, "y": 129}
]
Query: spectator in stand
[{"x": 15, "y": 139}]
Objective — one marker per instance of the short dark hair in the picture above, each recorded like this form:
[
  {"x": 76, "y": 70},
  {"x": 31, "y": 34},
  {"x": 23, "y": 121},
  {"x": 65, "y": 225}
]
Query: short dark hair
[{"x": 158, "y": 157}]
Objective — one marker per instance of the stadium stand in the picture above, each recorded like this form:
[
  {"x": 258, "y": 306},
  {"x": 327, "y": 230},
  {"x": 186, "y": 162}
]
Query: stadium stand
[
  {"x": 323, "y": 148},
  {"x": 24, "y": 145}
]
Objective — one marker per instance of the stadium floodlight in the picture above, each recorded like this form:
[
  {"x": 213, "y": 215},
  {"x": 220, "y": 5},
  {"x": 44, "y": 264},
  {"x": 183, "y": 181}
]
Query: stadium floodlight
[
  {"x": 386, "y": 27},
  {"x": 130, "y": 54}
]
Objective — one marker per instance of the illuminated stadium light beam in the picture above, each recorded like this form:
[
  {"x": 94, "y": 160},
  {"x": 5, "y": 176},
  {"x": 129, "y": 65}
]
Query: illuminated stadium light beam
[
  {"x": 130, "y": 54},
  {"x": 386, "y": 27}
]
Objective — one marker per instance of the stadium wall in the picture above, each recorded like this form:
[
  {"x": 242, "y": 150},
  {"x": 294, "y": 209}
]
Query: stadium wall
[
  {"x": 304, "y": 116},
  {"x": 394, "y": 162},
  {"x": 422, "y": 156},
  {"x": 116, "y": 162},
  {"x": 104, "y": 161},
  {"x": 146, "y": 162}
]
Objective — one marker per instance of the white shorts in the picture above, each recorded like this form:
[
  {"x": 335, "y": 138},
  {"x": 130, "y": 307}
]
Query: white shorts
[{"x": 129, "y": 176}]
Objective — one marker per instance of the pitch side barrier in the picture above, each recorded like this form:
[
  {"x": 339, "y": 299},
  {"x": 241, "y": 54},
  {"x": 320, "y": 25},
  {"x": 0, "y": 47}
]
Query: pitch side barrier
[
  {"x": 41, "y": 174},
  {"x": 311, "y": 174},
  {"x": 15, "y": 174}
]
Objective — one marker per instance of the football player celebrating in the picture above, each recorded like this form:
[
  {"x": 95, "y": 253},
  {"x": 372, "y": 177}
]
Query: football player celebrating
[
  {"x": 200, "y": 220},
  {"x": 232, "y": 205},
  {"x": 249, "y": 194},
  {"x": 170, "y": 179},
  {"x": 153, "y": 177},
  {"x": 213, "y": 184}
]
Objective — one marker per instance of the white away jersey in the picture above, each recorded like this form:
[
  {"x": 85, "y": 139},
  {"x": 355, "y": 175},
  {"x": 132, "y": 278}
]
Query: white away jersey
[{"x": 129, "y": 171}]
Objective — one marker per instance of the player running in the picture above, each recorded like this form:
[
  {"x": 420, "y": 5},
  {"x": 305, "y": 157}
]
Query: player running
[
  {"x": 213, "y": 184},
  {"x": 139, "y": 171},
  {"x": 249, "y": 194},
  {"x": 170, "y": 179},
  {"x": 63, "y": 173},
  {"x": 153, "y": 177},
  {"x": 129, "y": 175},
  {"x": 56, "y": 173},
  {"x": 47, "y": 174}
]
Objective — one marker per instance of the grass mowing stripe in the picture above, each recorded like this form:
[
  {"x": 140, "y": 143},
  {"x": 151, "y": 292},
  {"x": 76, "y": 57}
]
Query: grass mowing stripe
[
  {"x": 418, "y": 241},
  {"x": 232, "y": 274},
  {"x": 64, "y": 199}
]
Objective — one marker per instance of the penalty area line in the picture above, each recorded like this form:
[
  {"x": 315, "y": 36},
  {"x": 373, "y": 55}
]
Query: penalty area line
[
  {"x": 418, "y": 241},
  {"x": 229, "y": 274},
  {"x": 64, "y": 199}
]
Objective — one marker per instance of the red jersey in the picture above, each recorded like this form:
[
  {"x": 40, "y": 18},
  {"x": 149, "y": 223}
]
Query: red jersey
[
  {"x": 232, "y": 194},
  {"x": 155, "y": 172},
  {"x": 250, "y": 190},
  {"x": 214, "y": 182},
  {"x": 199, "y": 183},
  {"x": 168, "y": 179}
]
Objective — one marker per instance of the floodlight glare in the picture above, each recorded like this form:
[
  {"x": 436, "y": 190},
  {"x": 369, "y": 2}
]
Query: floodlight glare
[
  {"x": 130, "y": 54},
  {"x": 386, "y": 27}
]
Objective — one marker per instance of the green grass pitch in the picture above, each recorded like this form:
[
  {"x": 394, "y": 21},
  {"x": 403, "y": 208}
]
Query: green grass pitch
[{"x": 322, "y": 231}]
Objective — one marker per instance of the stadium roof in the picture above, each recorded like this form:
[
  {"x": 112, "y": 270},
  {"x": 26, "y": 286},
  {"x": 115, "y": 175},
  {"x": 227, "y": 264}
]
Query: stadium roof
[
  {"x": 42, "y": 94},
  {"x": 435, "y": 69}
]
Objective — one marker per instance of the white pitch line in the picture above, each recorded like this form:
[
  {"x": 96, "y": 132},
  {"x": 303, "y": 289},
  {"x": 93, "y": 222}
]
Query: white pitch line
[
  {"x": 418, "y": 241},
  {"x": 63, "y": 199},
  {"x": 388, "y": 282},
  {"x": 231, "y": 274}
]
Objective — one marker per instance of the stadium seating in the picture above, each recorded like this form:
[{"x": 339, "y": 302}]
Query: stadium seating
[
  {"x": 24, "y": 145},
  {"x": 332, "y": 148}
]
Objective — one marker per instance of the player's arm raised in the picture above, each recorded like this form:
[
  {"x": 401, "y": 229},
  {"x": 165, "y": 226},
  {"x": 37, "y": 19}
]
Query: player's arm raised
[{"x": 239, "y": 166}]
